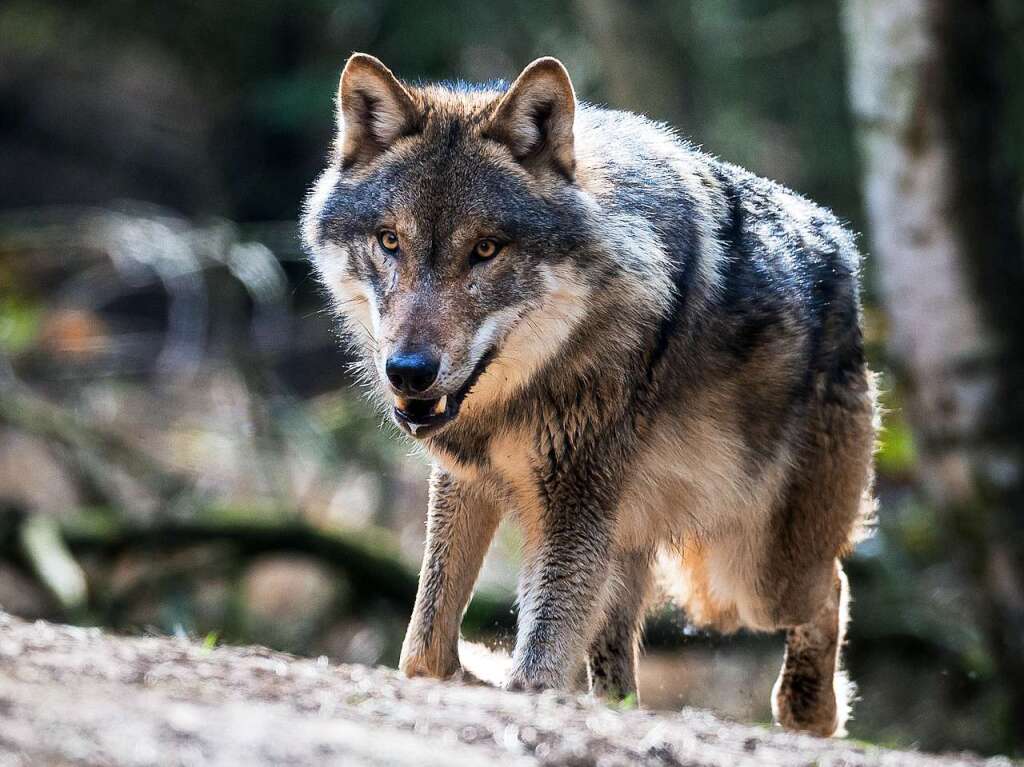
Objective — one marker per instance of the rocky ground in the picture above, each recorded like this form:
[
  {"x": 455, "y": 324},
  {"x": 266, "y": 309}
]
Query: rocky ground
[{"x": 72, "y": 696}]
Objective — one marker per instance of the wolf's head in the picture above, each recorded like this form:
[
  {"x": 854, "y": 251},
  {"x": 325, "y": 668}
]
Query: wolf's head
[{"x": 446, "y": 230}]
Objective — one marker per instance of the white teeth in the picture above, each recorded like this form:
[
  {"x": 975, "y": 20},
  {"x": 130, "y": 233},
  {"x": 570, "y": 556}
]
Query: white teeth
[{"x": 441, "y": 405}]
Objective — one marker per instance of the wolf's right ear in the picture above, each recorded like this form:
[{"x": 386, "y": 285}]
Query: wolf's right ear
[
  {"x": 374, "y": 109},
  {"x": 534, "y": 118}
]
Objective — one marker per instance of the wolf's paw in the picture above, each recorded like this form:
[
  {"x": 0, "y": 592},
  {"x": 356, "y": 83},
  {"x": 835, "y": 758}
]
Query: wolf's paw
[
  {"x": 810, "y": 704},
  {"x": 521, "y": 684},
  {"x": 533, "y": 681},
  {"x": 415, "y": 665}
]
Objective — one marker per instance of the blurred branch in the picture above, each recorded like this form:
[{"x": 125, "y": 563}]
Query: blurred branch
[
  {"x": 48, "y": 556},
  {"x": 28, "y": 412},
  {"x": 367, "y": 558},
  {"x": 364, "y": 561}
]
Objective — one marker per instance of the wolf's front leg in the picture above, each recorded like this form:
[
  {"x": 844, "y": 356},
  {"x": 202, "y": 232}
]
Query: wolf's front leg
[
  {"x": 562, "y": 597},
  {"x": 460, "y": 526}
]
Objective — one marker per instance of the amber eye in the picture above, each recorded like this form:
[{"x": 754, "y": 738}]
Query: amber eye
[
  {"x": 485, "y": 249},
  {"x": 388, "y": 240}
]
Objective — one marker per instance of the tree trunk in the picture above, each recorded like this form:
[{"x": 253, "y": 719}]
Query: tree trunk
[{"x": 925, "y": 90}]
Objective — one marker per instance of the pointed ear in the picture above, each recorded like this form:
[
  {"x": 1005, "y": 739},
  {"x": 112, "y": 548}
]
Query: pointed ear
[
  {"x": 374, "y": 109},
  {"x": 534, "y": 119}
]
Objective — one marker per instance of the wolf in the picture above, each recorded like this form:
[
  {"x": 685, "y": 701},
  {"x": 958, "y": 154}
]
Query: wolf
[{"x": 640, "y": 353}]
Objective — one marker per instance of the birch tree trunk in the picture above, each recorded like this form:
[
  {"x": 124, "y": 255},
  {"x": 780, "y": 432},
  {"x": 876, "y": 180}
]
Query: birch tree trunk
[{"x": 925, "y": 91}]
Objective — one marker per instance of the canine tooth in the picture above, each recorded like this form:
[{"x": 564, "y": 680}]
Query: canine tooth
[
  {"x": 441, "y": 405},
  {"x": 402, "y": 403}
]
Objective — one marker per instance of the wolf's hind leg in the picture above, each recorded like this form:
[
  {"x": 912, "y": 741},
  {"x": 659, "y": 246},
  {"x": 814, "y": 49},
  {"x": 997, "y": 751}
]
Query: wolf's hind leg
[
  {"x": 612, "y": 659},
  {"x": 812, "y": 692}
]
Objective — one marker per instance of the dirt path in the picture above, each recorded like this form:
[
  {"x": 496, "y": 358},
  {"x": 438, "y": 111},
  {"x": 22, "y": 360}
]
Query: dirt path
[{"x": 78, "y": 696}]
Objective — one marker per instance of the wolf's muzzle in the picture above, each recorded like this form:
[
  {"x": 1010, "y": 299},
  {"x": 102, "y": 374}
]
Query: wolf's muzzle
[{"x": 422, "y": 417}]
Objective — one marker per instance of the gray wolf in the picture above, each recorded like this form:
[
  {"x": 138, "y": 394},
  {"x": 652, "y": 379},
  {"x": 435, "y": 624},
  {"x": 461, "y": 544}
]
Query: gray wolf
[{"x": 637, "y": 351}]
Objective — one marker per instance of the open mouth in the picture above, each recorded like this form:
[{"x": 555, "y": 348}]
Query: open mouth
[{"x": 421, "y": 417}]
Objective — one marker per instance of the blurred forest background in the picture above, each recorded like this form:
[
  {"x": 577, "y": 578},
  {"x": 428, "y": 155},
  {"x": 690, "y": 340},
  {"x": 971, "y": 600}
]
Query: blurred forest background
[{"x": 182, "y": 451}]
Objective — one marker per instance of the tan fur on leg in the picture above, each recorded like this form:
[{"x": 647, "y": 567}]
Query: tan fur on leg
[
  {"x": 460, "y": 526},
  {"x": 812, "y": 693}
]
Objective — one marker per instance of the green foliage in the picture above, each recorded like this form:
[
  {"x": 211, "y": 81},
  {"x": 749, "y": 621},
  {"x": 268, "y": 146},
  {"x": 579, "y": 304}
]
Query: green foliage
[
  {"x": 628, "y": 703},
  {"x": 897, "y": 453},
  {"x": 20, "y": 321}
]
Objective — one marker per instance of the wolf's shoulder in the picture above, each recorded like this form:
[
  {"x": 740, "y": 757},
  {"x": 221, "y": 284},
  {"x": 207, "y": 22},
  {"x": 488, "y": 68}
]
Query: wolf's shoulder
[
  {"x": 645, "y": 167},
  {"x": 632, "y": 149},
  {"x": 782, "y": 218}
]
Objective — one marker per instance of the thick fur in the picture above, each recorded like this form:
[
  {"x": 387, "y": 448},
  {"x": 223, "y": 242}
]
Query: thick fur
[{"x": 676, "y": 369}]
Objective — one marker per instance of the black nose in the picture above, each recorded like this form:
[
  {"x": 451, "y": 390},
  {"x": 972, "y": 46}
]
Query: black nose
[{"x": 412, "y": 373}]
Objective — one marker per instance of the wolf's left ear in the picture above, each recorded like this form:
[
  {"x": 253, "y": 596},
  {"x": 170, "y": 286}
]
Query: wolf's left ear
[
  {"x": 374, "y": 109},
  {"x": 534, "y": 118}
]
